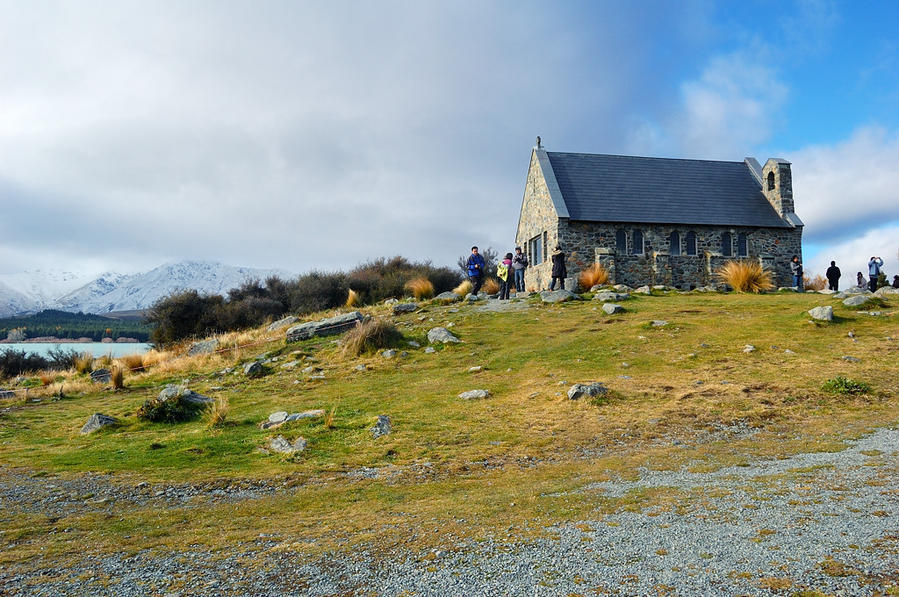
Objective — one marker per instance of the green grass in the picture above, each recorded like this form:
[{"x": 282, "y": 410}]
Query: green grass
[{"x": 530, "y": 435}]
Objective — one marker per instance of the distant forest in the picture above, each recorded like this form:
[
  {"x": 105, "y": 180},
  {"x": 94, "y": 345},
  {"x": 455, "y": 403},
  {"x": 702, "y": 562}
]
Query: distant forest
[{"x": 75, "y": 325}]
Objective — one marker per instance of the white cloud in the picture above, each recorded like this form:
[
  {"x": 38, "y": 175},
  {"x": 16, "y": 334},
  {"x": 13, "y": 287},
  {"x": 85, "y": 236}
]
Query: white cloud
[
  {"x": 846, "y": 189},
  {"x": 852, "y": 255}
]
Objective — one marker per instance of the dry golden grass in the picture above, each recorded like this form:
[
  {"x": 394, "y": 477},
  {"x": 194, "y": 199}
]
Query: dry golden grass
[
  {"x": 131, "y": 362},
  {"x": 217, "y": 413},
  {"x": 594, "y": 275},
  {"x": 421, "y": 288},
  {"x": 84, "y": 362},
  {"x": 353, "y": 299},
  {"x": 370, "y": 336},
  {"x": 117, "y": 377},
  {"x": 746, "y": 276},
  {"x": 491, "y": 286},
  {"x": 819, "y": 282},
  {"x": 329, "y": 418},
  {"x": 463, "y": 288},
  {"x": 46, "y": 379}
]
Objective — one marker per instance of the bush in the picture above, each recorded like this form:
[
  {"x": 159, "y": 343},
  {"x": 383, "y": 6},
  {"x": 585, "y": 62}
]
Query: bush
[
  {"x": 62, "y": 359},
  {"x": 387, "y": 278},
  {"x": 464, "y": 288},
  {"x": 592, "y": 276},
  {"x": 844, "y": 385},
  {"x": 819, "y": 282},
  {"x": 17, "y": 362},
  {"x": 317, "y": 291},
  {"x": 421, "y": 288},
  {"x": 746, "y": 276},
  {"x": 491, "y": 286},
  {"x": 165, "y": 411},
  {"x": 132, "y": 362},
  {"x": 84, "y": 362},
  {"x": 184, "y": 315},
  {"x": 370, "y": 336}
]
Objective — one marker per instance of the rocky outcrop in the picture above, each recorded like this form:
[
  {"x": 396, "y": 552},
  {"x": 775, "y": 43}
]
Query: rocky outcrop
[
  {"x": 98, "y": 421},
  {"x": 204, "y": 347},
  {"x": 558, "y": 296},
  {"x": 591, "y": 389},
  {"x": 441, "y": 335},
  {"x": 325, "y": 327}
]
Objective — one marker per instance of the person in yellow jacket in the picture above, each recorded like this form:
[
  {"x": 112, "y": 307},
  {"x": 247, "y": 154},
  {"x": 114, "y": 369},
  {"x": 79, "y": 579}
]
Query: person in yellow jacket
[{"x": 504, "y": 273}]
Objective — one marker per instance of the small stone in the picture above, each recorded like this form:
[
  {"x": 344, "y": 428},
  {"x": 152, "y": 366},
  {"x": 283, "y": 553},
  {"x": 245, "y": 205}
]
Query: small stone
[
  {"x": 441, "y": 335},
  {"x": 788, "y": 351},
  {"x": 430, "y": 350},
  {"x": 402, "y": 308},
  {"x": 253, "y": 369},
  {"x": 360, "y": 368},
  {"x": 96, "y": 422},
  {"x": 278, "y": 417},
  {"x": 282, "y": 446},
  {"x": 749, "y": 348},
  {"x": 851, "y": 359},
  {"x": 475, "y": 369},
  {"x": 612, "y": 308},
  {"x": 590, "y": 389},
  {"x": 381, "y": 427},
  {"x": 474, "y": 394},
  {"x": 414, "y": 344},
  {"x": 558, "y": 296},
  {"x": 658, "y": 323},
  {"x": 643, "y": 290},
  {"x": 389, "y": 353},
  {"x": 282, "y": 323}
]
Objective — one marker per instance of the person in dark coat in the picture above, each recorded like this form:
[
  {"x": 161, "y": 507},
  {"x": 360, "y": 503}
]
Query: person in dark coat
[
  {"x": 476, "y": 266},
  {"x": 796, "y": 270},
  {"x": 559, "y": 271},
  {"x": 895, "y": 281},
  {"x": 833, "y": 276}
]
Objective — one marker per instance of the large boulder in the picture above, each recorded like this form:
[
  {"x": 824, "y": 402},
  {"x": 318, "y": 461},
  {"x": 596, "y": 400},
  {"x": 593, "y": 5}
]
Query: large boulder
[
  {"x": 886, "y": 290},
  {"x": 203, "y": 347},
  {"x": 96, "y": 422},
  {"x": 448, "y": 297},
  {"x": 822, "y": 313},
  {"x": 402, "y": 308},
  {"x": 581, "y": 390},
  {"x": 282, "y": 323},
  {"x": 857, "y": 300},
  {"x": 184, "y": 395},
  {"x": 441, "y": 335},
  {"x": 324, "y": 327},
  {"x": 558, "y": 296}
]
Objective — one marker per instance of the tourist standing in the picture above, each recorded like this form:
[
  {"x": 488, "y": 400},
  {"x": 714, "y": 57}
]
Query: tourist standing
[
  {"x": 796, "y": 270},
  {"x": 559, "y": 271},
  {"x": 476, "y": 266},
  {"x": 895, "y": 281},
  {"x": 874, "y": 266},
  {"x": 833, "y": 276},
  {"x": 519, "y": 264},
  {"x": 504, "y": 273}
]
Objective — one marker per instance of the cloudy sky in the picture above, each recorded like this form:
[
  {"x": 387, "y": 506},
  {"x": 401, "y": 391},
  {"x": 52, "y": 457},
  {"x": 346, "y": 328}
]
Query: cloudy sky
[{"x": 318, "y": 135}]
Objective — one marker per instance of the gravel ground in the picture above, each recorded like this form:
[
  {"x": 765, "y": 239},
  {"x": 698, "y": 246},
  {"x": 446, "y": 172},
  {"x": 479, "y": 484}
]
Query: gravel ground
[{"x": 826, "y": 521}]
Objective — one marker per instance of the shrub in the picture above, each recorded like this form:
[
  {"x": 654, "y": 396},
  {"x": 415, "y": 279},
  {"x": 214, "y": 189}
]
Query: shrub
[
  {"x": 844, "y": 385},
  {"x": 819, "y": 282},
  {"x": 173, "y": 405},
  {"x": 17, "y": 362},
  {"x": 183, "y": 315},
  {"x": 369, "y": 336},
  {"x": 746, "y": 276},
  {"x": 62, "y": 359},
  {"x": 117, "y": 377},
  {"x": 592, "y": 276},
  {"x": 132, "y": 362},
  {"x": 387, "y": 278},
  {"x": 491, "y": 286},
  {"x": 464, "y": 288},
  {"x": 421, "y": 288},
  {"x": 317, "y": 291},
  {"x": 46, "y": 380},
  {"x": 353, "y": 299}
]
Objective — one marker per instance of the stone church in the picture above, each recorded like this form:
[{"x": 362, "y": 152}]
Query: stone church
[{"x": 656, "y": 220}]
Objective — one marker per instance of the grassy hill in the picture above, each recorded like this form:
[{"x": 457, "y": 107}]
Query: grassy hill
[{"x": 688, "y": 393}]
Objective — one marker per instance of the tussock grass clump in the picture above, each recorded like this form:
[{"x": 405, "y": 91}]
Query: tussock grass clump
[
  {"x": 217, "y": 413},
  {"x": 491, "y": 286},
  {"x": 464, "y": 288},
  {"x": 369, "y": 336},
  {"x": 329, "y": 418},
  {"x": 819, "y": 282},
  {"x": 746, "y": 276},
  {"x": 84, "y": 362},
  {"x": 117, "y": 377},
  {"x": 132, "y": 362},
  {"x": 353, "y": 299},
  {"x": 46, "y": 380},
  {"x": 421, "y": 288},
  {"x": 592, "y": 276},
  {"x": 844, "y": 385}
]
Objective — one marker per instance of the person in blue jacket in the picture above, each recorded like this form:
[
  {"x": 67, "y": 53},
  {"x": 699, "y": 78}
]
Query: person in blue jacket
[
  {"x": 476, "y": 267},
  {"x": 874, "y": 272}
]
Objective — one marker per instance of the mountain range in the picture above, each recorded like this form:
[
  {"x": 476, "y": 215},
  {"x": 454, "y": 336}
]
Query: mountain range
[{"x": 33, "y": 291}]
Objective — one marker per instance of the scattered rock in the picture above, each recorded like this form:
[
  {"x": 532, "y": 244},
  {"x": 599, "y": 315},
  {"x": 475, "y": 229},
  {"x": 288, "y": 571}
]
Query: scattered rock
[
  {"x": 822, "y": 313},
  {"x": 660, "y": 287},
  {"x": 827, "y": 291},
  {"x": 643, "y": 290},
  {"x": 855, "y": 301},
  {"x": 290, "y": 365},
  {"x": 612, "y": 308},
  {"x": 611, "y": 296},
  {"x": 413, "y": 344},
  {"x": 382, "y": 427},
  {"x": 475, "y": 369},
  {"x": 185, "y": 395},
  {"x": 430, "y": 350},
  {"x": 787, "y": 289},
  {"x": 282, "y": 323},
  {"x": 448, "y": 297},
  {"x": 278, "y": 417},
  {"x": 389, "y": 353},
  {"x": 310, "y": 370},
  {"x": 203, "y": 347},
  {"x": 324, "y": 327},
  {"x": 474, "y": 394},
  {"x": 749, "y": 348},
  {"x": 884, "y": 291},
  {"x": 622, "y": 288},
  {"x": 441, "y": 335},
  {"x": 101, "y": 376},
  {"x": 282, "y": 446},
  {"x": 360, "y": 367},
  {"x": 98, "y": 421},
  {"x": 788, "y": 351},
  {"x": 558, "y": 296},
  {"x": 580, "y": 390},
  {"x": 253, "y": 369},
  {"x": 401, "y": 308},
  {"x": 658, "y": 323},
  {"x": 851, "y": 359}
]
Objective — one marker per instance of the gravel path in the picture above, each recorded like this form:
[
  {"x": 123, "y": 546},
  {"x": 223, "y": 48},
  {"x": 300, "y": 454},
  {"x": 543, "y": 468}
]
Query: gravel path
[{"x": 826, "y": 521}]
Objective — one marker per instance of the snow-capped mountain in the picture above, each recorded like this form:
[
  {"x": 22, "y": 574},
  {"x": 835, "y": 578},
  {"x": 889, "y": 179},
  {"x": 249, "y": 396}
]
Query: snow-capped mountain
[
  {"x": 119, "y": 292},
  {"x": 34, "y": 290}
]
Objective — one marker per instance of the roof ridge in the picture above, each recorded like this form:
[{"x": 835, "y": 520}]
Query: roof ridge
[{"x": 644, "y": 157}]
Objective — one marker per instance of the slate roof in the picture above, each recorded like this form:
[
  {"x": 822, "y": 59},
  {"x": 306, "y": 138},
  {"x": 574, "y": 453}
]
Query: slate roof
[{"x": 617, "y": 188}]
